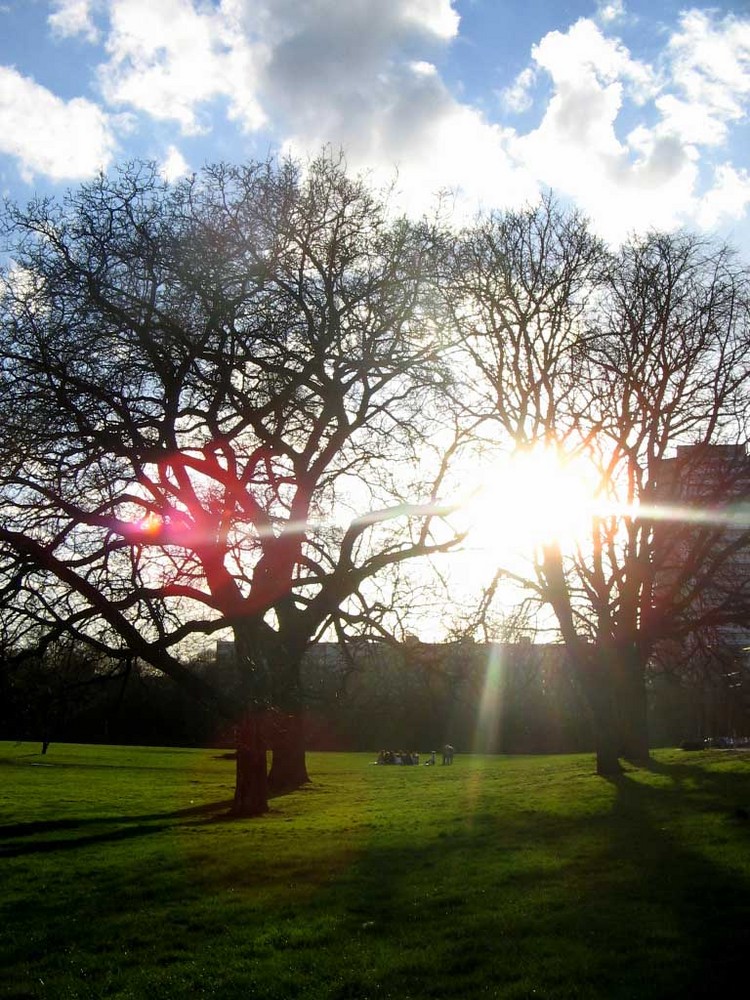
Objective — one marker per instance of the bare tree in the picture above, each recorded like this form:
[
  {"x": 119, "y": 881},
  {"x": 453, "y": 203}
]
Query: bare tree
[
  {"x": 614, "y": 359},
  {"x": 667, "y": 366},
  {"x": 198, "y": 382}
]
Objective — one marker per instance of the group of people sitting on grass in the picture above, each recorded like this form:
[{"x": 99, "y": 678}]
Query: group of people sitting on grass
[
  {"x": 397, "y": 757},
  {"x": 401, "y": 757}
]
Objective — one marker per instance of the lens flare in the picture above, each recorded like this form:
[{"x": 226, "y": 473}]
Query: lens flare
[
  {"x": 151, "y": 524},
  {"x": 490, "y": 704}
]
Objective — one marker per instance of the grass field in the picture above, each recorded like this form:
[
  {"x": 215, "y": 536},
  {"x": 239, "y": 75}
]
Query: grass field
[{"x": 516, "y": 877}]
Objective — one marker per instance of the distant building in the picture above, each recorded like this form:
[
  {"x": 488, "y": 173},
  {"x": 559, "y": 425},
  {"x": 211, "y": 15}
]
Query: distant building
[
  {"x": 701, "y": 556},
  {"x": 703, "y": 544}
]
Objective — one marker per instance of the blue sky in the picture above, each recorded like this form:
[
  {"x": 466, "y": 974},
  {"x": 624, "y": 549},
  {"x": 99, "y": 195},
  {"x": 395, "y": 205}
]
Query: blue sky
[{"x": 636, "y": 111}]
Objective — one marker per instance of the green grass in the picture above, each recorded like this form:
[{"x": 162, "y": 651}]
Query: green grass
[{"x": 517, "y": 877}]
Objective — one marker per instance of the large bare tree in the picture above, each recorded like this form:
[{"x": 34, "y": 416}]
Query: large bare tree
[
  {"x": 615, "y": 360},
  {"x": 213, "y": 402}
]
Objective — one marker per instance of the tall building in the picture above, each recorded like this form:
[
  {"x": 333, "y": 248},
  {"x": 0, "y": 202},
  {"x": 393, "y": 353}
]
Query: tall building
[
  {"x": 701, "y": 562},
  {"x": 702, "y": 536}
]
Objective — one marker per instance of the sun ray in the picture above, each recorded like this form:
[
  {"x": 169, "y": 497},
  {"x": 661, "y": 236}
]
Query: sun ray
[{"x": 490, "y": 703}]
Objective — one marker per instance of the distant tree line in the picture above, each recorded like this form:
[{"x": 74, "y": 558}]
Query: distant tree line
[
  {"x": 246, "y": 402},
  {"x": 485, "y": 698}
]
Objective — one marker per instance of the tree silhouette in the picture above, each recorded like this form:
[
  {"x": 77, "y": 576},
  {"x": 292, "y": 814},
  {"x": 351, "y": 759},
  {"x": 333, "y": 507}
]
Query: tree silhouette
[
  {"x": 615, "y": 359},
  {"x": 213, "y": 402}
]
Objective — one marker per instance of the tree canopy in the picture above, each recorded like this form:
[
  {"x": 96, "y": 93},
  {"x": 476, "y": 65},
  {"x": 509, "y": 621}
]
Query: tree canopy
[
  {"x": 198, "y": 382},
  {"x": 236, "y": 403}
]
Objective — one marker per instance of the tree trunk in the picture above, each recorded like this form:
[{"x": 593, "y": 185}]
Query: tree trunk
[
  {"x": 251, "y": 783},
  {"x": 632, "y": 709},
  {"x": 607, "y": 760},
  {"x": 597, "y": 683},
  {"x": 253, "y": 689},
  {"x": 288, "y": 767}
]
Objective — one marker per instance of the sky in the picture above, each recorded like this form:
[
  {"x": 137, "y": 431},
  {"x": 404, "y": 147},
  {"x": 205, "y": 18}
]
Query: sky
[{"x": 637, "y": 112}]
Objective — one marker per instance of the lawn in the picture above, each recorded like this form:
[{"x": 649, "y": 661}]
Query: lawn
[{"x": 507, "y": 877}]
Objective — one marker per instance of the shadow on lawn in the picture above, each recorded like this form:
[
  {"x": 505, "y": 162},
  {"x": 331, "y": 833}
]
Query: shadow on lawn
[
  {"x": 695, "y": 901},
  {"x": 637, "y": 903},
  {"x": 692, "y": 776},
  {"x": 127, "y": 828},
  {"x": 211, "y": 812}
]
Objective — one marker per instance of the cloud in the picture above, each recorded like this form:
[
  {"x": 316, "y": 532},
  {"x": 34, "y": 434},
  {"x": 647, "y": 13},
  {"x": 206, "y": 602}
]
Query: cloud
[
  {"x": 706, "y": 90},
  {"x": 517, "y": 97},
  {"x": 584, "y": 54},
  {"x": 610, "y": 12},
  {"x": 648, "y": 176},
  {"x": 174, "y": 165},
  {"x": 709, "y": 63},
  {"x": 66, "y": 140},
  {"x": 73, "y": 17},
  {"x": 357, "y": 75},
  {"x": 301, "y": 61},
  {"x": 364, "y": 77},
  {"x": 435, "y": 17},
  {"x": 575, "y": 148},
  {"x": 637, "y": 144},
  {"x": 691, "y": 123},
  {"x": 343, "y": 57},
  {"x": 727, "y": 199},
  {"x": 168, "y": 59}
]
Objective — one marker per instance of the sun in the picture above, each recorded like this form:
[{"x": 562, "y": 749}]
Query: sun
[{"x": 535, "y": 496}]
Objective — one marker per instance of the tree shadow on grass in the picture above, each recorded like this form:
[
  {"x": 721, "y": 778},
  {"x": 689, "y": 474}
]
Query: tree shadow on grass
[
  {"x": 110, "y": 836},
  {"x": 619, "y": 904},
  {"x": 694, "y": 897},
  {"x": 126, "y": 827},
  {"x": 212, "y": 812},
  {"x": 692, "y": 774}
]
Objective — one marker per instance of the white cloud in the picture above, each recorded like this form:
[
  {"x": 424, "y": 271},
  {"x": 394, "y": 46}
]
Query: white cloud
[
  {"x": 322, "y": 72},
  {"x": 73, "y": 17},
  {"x": 710, "y": 65},
  {"x": 705, "y": 89},
  {"x": 692, "y": 123},
  {"x": 517, "y": 97},
  {"x": 587, "y": 71},
  {"x": 168, "y": 58},
  {"x": 342, "y": 58},
  {"x": 422, "y": 68},
  {"x": 610, "y": 12},
  {"x": 650, "y": 176},
  {"x": 348, "y": 74},
  {"x": 21, "y": 283},
  {"x": 63, "y": 139},
  {"x": 727, "y": 199},
  {"x": 632, "y": 142},
  {"x": 356, "y": 74},
  {"x": 410, "y": 122},
  {"x": 174, "y": 165},
  {"x": 437, "y": 17},
  {"x": 584, "y": 55}
]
